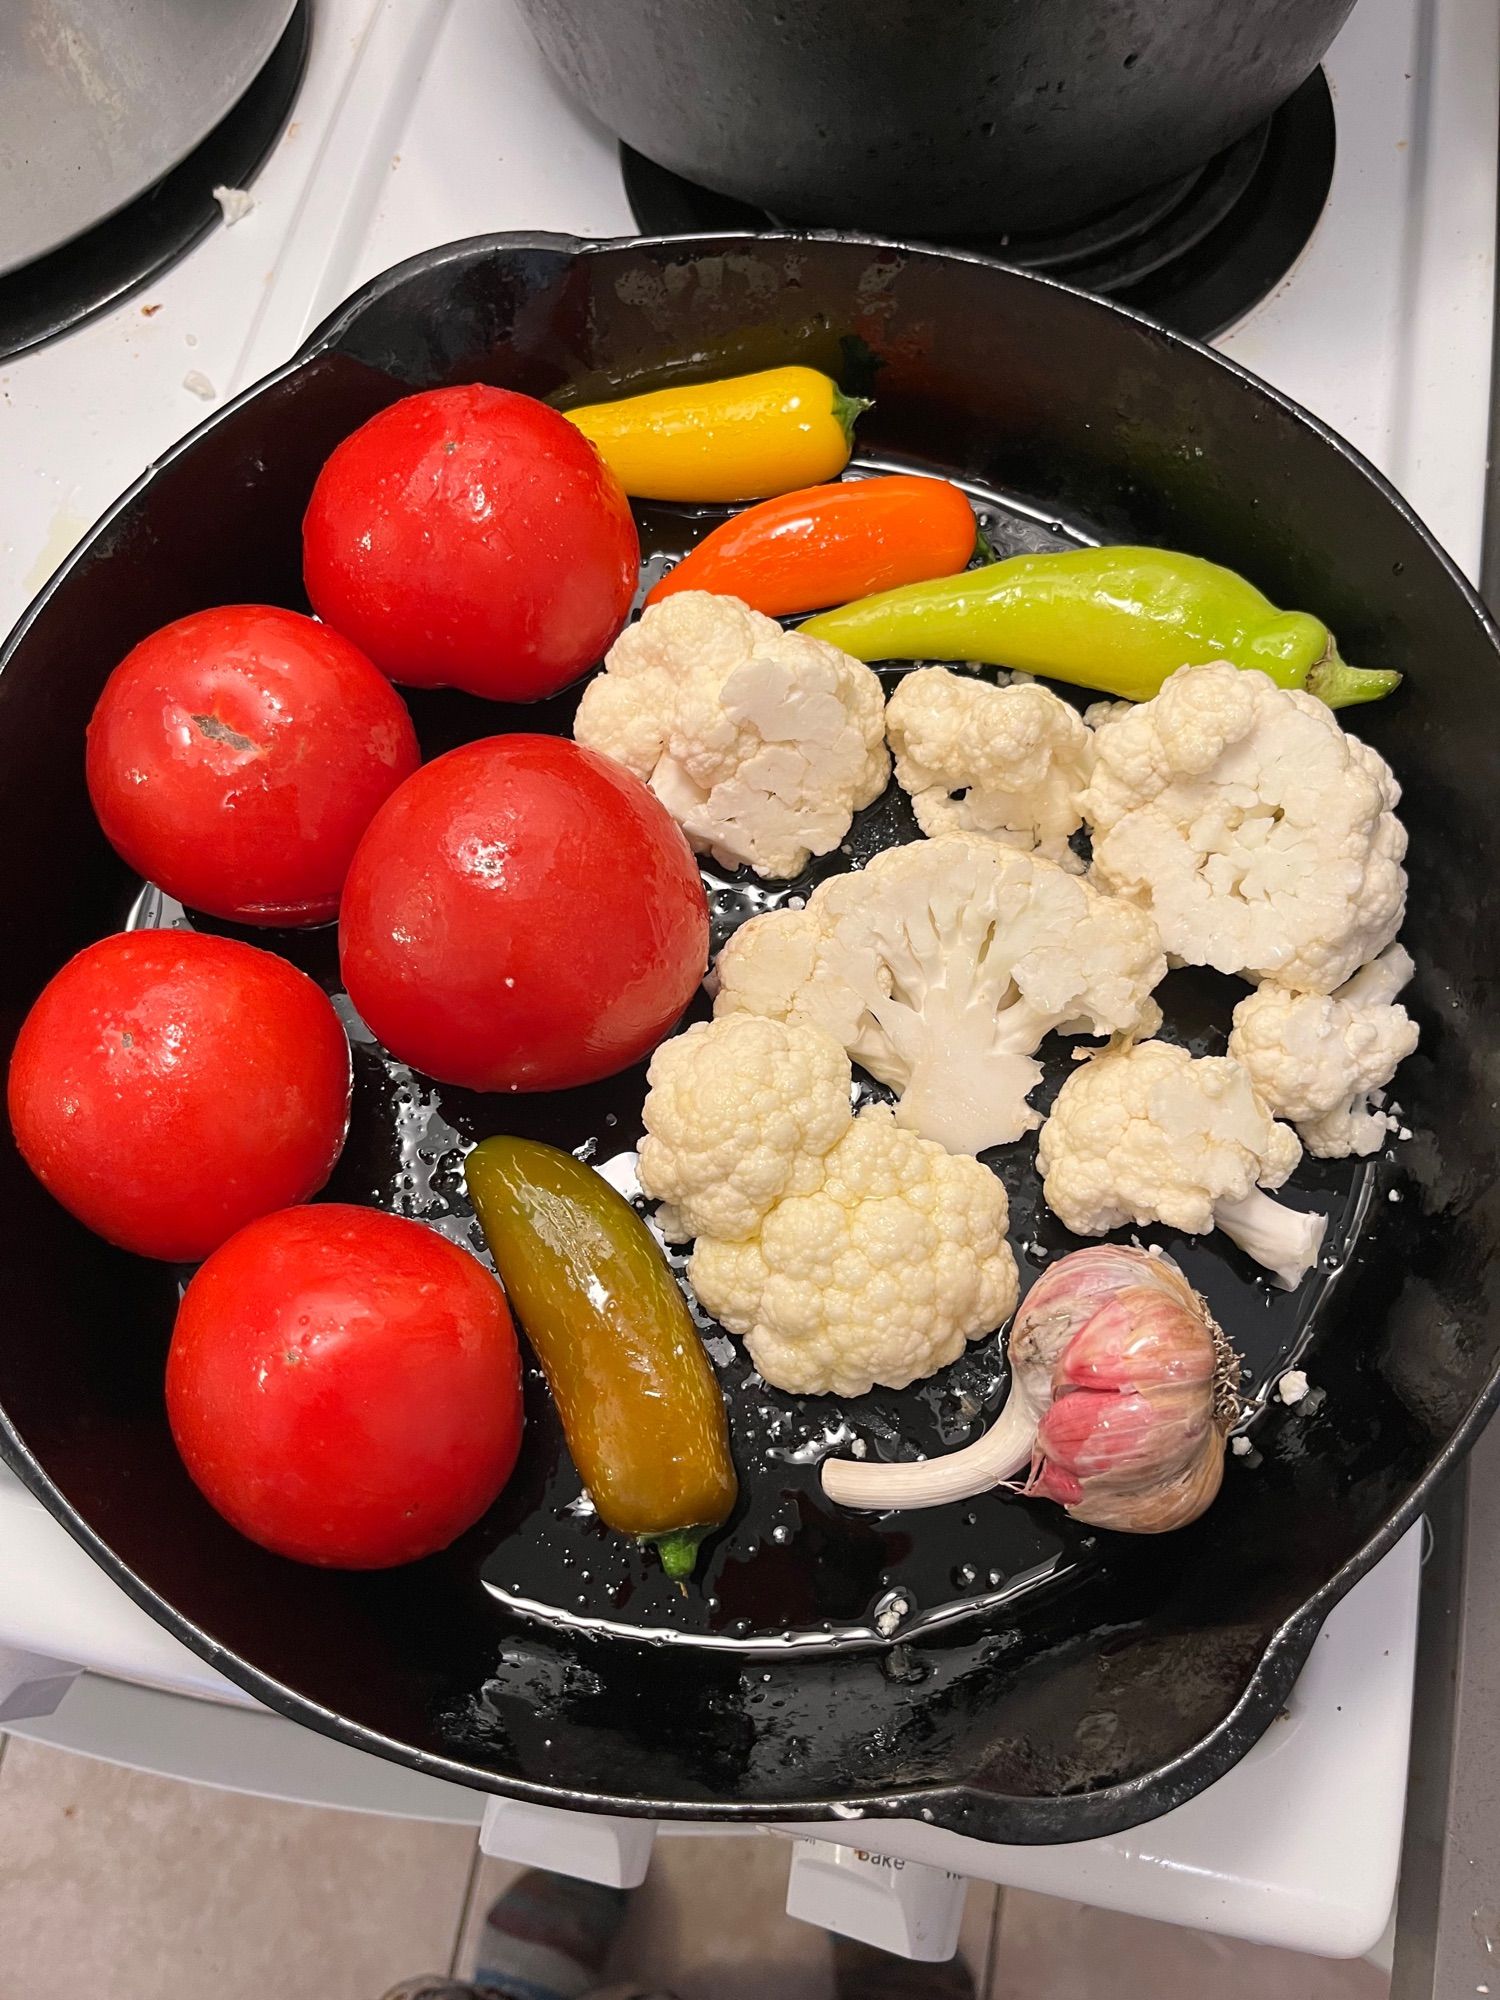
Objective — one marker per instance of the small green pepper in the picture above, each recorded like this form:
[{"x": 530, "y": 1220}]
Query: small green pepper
[
  {"x": 1118, "y": 619},
  {"x": 639, "y": 1402}
]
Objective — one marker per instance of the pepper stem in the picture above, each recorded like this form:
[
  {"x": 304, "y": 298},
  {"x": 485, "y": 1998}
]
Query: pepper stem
[
  {"x": 678, "y": 1549},
  {"x": 1335, "y": 682},
  {"x": 848, "y": 409}
]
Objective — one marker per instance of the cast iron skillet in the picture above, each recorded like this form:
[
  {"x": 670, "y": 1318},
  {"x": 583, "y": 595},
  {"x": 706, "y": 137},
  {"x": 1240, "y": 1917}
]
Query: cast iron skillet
[{"x": 1047, "y": 1684}]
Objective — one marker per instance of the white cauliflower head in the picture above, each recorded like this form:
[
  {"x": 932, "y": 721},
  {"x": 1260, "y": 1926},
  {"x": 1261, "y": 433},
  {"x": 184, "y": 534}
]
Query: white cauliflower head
[
  {"x": 762, "y": 744},
  {"x": 1107, "y": 710},
  {"x": 879, "y": 1277},
  {"x": 1010, "y": 762},
  {"x": 1261, "y": 837},
  {"x": 1152, "y": 1134},
  {"x": 941, "y": 966},
  {"x": 1314, "y": 1058},
  {"x": 739, "y": 1112}
]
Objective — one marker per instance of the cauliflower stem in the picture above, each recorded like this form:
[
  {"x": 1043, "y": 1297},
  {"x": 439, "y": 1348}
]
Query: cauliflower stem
[
  {"x": 1377, "y": 984},
  {"x": 1285, "y": 1241}
]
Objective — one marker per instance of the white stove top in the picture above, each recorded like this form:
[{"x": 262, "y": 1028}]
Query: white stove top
[{"x": 421, "y": 121}]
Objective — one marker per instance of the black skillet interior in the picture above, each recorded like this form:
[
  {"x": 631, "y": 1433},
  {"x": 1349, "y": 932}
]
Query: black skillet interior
[{"x": 1046, "y": 1683}]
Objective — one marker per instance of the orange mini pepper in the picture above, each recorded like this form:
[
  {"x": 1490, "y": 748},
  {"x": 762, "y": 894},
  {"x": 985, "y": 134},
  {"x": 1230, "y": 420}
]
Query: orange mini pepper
[{"x": 828, "y": 544}]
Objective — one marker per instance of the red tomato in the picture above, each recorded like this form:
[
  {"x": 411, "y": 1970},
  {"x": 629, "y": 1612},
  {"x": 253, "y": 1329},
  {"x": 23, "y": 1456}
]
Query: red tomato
[
  {"x": 522, "y": 915},
  {"x": 472, "y": 538},
  {"x": 344, "y": 1386},
  {"x": 236, "y": 757},
  {"x": 167, "y": 1088}
]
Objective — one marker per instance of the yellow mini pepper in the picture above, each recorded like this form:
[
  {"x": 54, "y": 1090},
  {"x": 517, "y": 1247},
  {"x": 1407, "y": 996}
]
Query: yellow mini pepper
[{"x": 745, "y": 438}]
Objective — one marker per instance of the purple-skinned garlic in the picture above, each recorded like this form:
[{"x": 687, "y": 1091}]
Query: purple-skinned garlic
[{"x": 1123, "y": 1390}]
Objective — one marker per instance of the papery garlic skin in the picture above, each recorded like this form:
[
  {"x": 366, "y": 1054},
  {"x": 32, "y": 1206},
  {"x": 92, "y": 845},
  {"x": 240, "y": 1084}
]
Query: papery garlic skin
[
  {"x": 1132, "y": 1438},
  {"x": 1123, "y": 1390}
]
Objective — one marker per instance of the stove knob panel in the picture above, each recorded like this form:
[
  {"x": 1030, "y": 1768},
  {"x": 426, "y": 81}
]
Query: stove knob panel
[
  {"x": 904, "y": 1907},
  {"x": 591, "y": 1847}
]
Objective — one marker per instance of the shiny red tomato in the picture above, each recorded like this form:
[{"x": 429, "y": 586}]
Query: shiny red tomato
[
  {"x": 522, "y": 915},
  {"x": 237, "y": 755},
  {"x": 472, "y": 538},
  {"x": 167, "y": 1087},
  {"x": 345, "y": 1387}
]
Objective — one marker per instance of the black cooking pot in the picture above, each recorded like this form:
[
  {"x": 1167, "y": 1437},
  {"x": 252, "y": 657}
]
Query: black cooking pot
[
  {"x": 1042, "y": 1682},
  {"x": 951, "y": 119}
]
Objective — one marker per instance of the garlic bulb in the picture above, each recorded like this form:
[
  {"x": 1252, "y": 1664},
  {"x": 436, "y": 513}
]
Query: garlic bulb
[{"x": 1122, "y": 1392}]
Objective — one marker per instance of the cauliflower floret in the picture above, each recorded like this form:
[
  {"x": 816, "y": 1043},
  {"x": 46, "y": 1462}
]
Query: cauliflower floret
[
  {"x": 1149, "y": 1134},
  {"x": 881, "y": 1276},
  {"x": 941, "y": 966},
  {"x": 739, "y": 1113},
  {"x": 1315, "y": 1058},
  {"x": 762, "y": 744},
  {"x": 1011, "y": 762},
  {"x": 1108, "y": 710},
  {"x": 1261, "y": 837}
]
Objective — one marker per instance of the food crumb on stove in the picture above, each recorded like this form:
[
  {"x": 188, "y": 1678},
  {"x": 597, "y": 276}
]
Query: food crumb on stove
[
  {"x": 1240, "y": 1447},
  {"x": 198, "y": 384},
  {"x": 234, "y": 203},
  {"x": 147, "y": 311},
  {"x": 1292, "y": 1387}
]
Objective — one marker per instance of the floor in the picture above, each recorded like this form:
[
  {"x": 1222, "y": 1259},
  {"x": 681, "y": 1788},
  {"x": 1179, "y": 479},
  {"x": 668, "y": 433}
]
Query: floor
[{"x": 133, "y": 1887}]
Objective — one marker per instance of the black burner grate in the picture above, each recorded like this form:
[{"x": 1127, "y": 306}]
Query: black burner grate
[
  {"x": 1196, "y": 254},
  {"x": 119, "y": 255}
]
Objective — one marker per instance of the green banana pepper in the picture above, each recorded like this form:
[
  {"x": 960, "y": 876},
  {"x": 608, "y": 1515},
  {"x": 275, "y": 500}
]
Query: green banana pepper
[{"x": 1118, "y": 619}]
